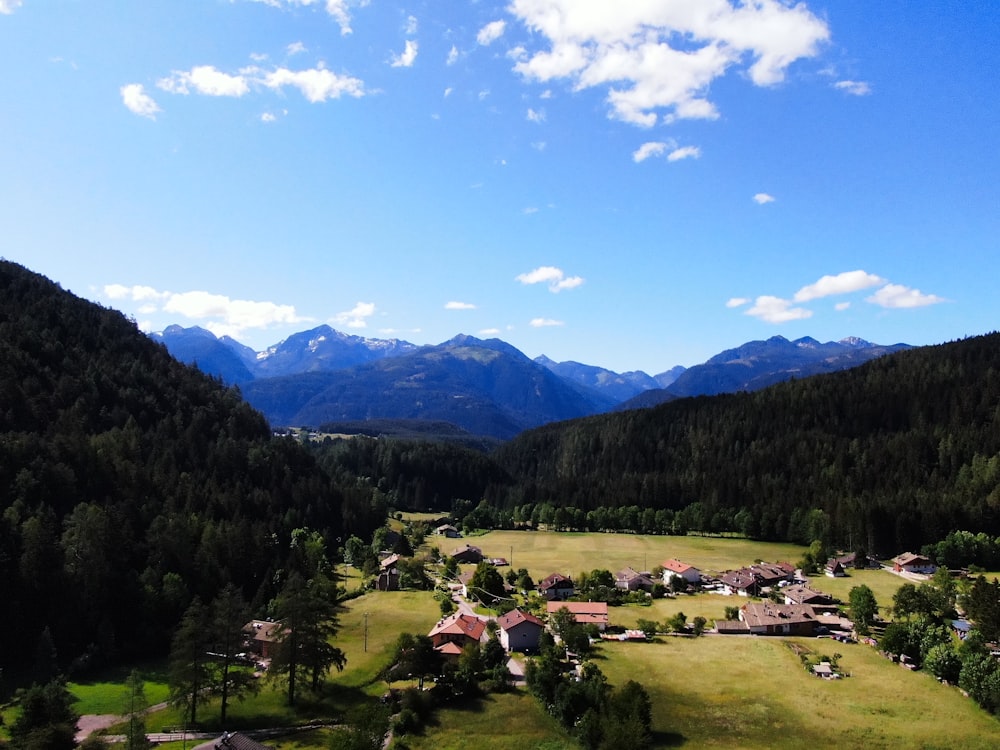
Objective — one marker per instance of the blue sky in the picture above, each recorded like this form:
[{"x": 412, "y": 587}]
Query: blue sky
[{"x": 633, "y": 184}]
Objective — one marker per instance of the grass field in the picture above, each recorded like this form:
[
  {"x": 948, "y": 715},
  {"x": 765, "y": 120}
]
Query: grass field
[
  {"x": 511, "y": 721},
  {"x": 544, "y": 552},
  {"x": 748, "y": 692},
  {"x": 106, "y": 695}
]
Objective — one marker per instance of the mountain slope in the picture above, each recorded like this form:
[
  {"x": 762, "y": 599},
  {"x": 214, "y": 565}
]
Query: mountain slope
[
  {"x": 485, "y": 387},
  {"x": 616, "y": 386},
  {"x": 323, "y": 348},
  {"x": 213, "y": 356},
  {"x": 129, "y": 482},
  {"x": 758, "y": 364}
]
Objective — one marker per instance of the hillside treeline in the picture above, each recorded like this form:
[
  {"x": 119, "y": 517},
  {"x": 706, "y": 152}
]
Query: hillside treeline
[
  {"x": 890, "y": 455},
  {"x": 411, "y": 474},
  {"x": 130, "y": 484}
]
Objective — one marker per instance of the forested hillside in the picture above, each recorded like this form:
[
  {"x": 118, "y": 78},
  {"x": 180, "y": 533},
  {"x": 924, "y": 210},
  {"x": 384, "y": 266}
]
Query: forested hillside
[
  {"x": 890, "y": 455},
  {"x": 130, "y": 483}
]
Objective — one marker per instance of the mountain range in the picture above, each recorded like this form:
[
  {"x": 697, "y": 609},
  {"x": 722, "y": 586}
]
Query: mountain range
[{"x": 322, "y": 376}]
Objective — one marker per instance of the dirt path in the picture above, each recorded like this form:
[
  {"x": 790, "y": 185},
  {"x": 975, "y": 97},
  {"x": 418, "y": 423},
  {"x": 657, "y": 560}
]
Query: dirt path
[{"x": 90, "y": 723}]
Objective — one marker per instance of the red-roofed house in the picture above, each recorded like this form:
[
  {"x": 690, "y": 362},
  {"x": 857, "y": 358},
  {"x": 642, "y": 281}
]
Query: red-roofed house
[
  {"x": 458, "y": 630},
  {"x": 585, "y": 613},
  {"x": 520, "y": 631},
  {"x": 263, "y": 636},
  {"x": 674, "y": 567},
  {"x": 910, "y": 563},
  {"x": 556, "y": 586}
]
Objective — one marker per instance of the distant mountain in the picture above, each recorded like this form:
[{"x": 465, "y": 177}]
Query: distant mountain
[
  {"x": 617, "y": 386},
  {"x": 485, "y": 387},
  {"x": 664, "y": 379},
  {"x": 196, "y": 346},
  {"x": 323, "y": 348},
  {"x": 758, "y": 364}
]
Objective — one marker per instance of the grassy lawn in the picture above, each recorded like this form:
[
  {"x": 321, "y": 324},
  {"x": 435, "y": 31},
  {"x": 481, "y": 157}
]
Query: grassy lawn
[
  {"x": 710, "y": 606},
  {"x": 741, "y": 692},
  {"x": 544, "y": 552},
  {"x": 511, "y": 721},
  {"x": 882, "y": 583},
  {"x": 105, "y": 694}
]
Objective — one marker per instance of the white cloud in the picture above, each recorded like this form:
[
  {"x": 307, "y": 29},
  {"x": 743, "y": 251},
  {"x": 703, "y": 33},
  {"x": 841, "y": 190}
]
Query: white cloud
[
  {"x": 489, "y": 332},
  {"x": 407, "y": 57},
  {"x": 337, "y": 9},
  {"x": 267, "y": 117},
  {"x": 134, "y": 97},
  {"x": 539, "y": 145},
  {"x": 216, "y": 312},
  {"x": 684, "y": 152},
  {"x": 649, "y": 149},
  {"x": 535, "y": 115},
  {"x": 205, "y": 79},
  {"x": 655, "y": 57},
  {"x": 459, "y": 306},
  {"x": 841, "y": 306},
  {"x": 484, "y": 94},
  {"x": 762, "y": 198},
  {"x": 9, "y": 6},
  {"x": 854, "y": 88},
  {"x": 491, "y": 32},
  {"x": 295, "y": 48},
  {"x": 842, "y": 283},
  {"x": 411, "y": 25},
  {"x": 896, "y": 296},
  {"x": 529, "y": 210},
  {"x": 545, "y": 322},
  {"x": 554, "y": 277},
  {"x": 777, "y": 310},
  {"x": 316, "y": 84},
  {"x": 736, "y": 301},
  {"x": 136, "y": 293},
  {"x": 447, "y": 92},
  {"x": 452, "y": 56},
  {"x": 356, "y": 317}
]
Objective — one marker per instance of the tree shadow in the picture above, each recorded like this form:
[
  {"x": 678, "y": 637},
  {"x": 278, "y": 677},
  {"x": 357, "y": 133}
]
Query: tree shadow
[{"x": 668, "y": 739}]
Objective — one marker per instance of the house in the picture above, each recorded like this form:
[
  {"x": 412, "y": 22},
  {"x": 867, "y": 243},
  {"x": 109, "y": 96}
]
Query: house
[
  {"x": 520, "y": 631},
  {"x": 556, "y": 586},
  {"x": 801, "y": 594},
  {"x": 753, "y": 580},
  {"x": 584, "y": 613},
  {"x": 388, "y": 575},
  {"x": 237, "y": 741},
  {"x": 447, "y": 530},
  {"x": 458, "y": 630},
  {"x": 674, "y": 567},
  {"x": 263, "y": 636},
  {"x": 464, "y": 580},
  {"x": 630, "y": 579},
  {"x": 467, "y": 554},
  {"x": 834, "y": 568},
  {"x": 768, "y": 618},
  {"x": 824, "y": 669},
  {"x": 910, "y": 563}
]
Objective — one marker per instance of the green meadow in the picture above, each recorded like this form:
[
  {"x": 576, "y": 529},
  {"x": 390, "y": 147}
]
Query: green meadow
[
  {"x": 545, "y": 552},
  {"x": 750, "y": 692}
]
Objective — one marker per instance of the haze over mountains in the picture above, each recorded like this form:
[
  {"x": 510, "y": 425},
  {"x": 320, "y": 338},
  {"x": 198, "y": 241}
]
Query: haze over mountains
[{"x": 486, "y": 387}]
